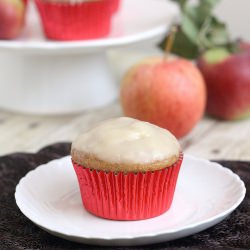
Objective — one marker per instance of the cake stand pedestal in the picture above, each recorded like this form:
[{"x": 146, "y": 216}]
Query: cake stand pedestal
[
  {"x": 39, "y": 76},
  {"x": 58, "y": 83}
]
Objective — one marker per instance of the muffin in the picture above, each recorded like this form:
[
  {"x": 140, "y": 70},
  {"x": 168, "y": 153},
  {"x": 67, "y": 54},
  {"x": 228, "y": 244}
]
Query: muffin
[
  {"x": 75, "y": 19},
  {"x": 127, "y": 169}
]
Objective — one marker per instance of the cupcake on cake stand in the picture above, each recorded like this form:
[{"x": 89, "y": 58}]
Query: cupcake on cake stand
[{"x": 42, "y": 76}]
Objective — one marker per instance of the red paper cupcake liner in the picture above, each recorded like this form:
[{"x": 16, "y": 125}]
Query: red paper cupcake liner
[
  {"x": 115, "y": 5},
  {"x": 131, "y": 196},
  {"x": 87, "y": 20}
]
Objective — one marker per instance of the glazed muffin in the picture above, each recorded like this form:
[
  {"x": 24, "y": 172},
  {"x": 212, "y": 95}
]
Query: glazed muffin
[
  {"x": 126, "y": 169},
  {"x": 75, "y": 19}
]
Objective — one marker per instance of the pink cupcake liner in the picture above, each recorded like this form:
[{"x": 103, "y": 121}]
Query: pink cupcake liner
[
  {"x": 87, "y": 20},
  {"x": 131, "y": 196}
]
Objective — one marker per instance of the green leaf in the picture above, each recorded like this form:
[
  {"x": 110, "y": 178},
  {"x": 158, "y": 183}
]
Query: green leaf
[
  {"x": 213, "y": 34},
  {"x": 219, "y": 36},
  {"x": 211, "y": 3},
  {"x": 193, "y": 13},
  {"x": 189, "y": 28},
  {"x": 200, "y": 30},
  {"x": 200, "y": 11},
  {"x": 184, "y": 47},
  {"x": 204, "y": 10}
]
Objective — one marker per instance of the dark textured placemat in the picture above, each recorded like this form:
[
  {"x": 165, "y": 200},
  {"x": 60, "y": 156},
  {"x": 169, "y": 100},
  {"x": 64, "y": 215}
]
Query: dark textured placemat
[{"x": 17, "y": 232}]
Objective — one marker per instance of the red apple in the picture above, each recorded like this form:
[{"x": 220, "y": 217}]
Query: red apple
[
  {"x": 167, "y": 92},
  {"x": 244, "y": 46},
  {"x": 12, "y": 14},
  {"x": 227, "y": 78}
]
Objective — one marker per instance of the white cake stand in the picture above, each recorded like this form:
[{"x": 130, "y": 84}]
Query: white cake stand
[{"x": 46, "y": 77}]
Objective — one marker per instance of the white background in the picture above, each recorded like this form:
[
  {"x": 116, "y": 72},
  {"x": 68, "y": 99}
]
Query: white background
[{"x": 237, "y": 14}]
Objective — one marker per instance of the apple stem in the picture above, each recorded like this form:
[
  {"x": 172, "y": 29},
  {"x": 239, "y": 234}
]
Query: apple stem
[{"x": 170, "y": 41}]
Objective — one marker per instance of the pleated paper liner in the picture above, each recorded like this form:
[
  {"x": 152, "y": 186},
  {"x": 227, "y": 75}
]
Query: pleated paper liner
[
  {"x": 79, "y": 21},
  {"x": 131, "y": 196}
]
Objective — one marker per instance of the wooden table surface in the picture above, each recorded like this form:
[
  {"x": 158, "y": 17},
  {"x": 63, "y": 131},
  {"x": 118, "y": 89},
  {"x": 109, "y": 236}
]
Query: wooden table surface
[{"x": 210, "y": 139}]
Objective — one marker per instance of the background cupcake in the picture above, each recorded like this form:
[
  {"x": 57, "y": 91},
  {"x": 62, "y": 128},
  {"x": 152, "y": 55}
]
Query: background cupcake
[
  {"x": 115, "y": 5},
  {"x": 127, "y": 169},
  {"x": 75, "y": 19}
]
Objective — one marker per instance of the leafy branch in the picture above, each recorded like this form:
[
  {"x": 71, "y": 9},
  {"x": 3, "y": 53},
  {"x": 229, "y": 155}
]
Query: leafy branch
[{"x": 200, "y": 30}]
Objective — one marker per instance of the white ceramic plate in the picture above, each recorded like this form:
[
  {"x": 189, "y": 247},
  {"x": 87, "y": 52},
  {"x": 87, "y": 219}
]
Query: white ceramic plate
[
  {"x": 137, "y": 21},
  {"x": 206, "y": 193}
]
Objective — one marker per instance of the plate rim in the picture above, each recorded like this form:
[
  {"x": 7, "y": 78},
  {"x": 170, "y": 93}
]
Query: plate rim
[{"x": 217, "y": 217}]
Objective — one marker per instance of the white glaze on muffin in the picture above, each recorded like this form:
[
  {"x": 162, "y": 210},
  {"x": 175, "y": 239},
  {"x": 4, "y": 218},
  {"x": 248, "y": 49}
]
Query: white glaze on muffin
[{"x": 126, "y": 144}]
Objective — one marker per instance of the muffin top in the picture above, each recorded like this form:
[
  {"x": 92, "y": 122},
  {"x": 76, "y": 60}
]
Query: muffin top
[{"x": 127, "y": 145}]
